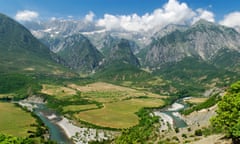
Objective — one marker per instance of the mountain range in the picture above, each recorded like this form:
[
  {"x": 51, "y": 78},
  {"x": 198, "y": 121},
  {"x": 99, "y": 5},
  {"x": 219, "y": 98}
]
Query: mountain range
[
  {"x": 196, "y": 57},
  {"x": 203, "y": 39},
  {"x": 173, "y": 43}
]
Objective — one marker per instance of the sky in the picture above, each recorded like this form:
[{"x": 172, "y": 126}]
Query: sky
[{"x": 131, "y": 15}]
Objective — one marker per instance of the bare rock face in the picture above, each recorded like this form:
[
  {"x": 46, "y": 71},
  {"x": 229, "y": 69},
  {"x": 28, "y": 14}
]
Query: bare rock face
[
  {"x": 121, "y": 52},
  {"x": 79, "y": 53},
  {"x": 203, "y": 39}
]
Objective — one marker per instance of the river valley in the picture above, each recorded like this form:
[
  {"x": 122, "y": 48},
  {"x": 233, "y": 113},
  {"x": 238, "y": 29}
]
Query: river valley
[{"x": 61, "y": 129}]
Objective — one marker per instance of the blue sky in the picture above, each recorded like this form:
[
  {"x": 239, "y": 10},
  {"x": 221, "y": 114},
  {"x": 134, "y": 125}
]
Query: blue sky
[
  {"x": 120, "y": 11},
  {"x": 78, "y": 8}
]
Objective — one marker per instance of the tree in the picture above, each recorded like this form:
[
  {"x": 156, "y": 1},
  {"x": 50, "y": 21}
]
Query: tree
[
  {"x": 5, "y": 139},
  {"x": 228, "y": 113}
]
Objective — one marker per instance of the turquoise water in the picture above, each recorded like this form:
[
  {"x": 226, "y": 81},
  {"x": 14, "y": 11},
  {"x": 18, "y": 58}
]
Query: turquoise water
[
  {"x": 56, "y": 133},
  {"x": 178, "y": 122}
]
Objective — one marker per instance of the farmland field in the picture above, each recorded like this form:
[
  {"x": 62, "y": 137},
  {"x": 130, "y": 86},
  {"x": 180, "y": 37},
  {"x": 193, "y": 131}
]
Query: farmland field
[
  {"x": 106, "y": 105},
  {"x": 119, "y": 114},
  {"x": 14, "y": 121},
  {"x": 105, "y": 92},
  {"x": 59, "y": 91},
  {"x": 196, "y": 100},
  {"x": 76, "y": 108}
]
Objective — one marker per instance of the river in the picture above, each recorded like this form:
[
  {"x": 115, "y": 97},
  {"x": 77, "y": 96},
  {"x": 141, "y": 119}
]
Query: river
[
  {"x": 61, "y": 128},
  {"x": 170, "y": 116},
  {"x": 56, "y": 132},
  {"x": 51, "y": 120}
]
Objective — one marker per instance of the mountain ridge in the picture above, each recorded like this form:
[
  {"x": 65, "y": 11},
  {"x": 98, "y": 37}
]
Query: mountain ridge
[
  {"x": 203, "y": 39},
  {"x": 21, "y": 51}
]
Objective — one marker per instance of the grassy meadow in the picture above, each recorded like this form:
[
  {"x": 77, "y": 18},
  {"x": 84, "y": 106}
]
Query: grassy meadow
[
  {"x": 119, "y": 114},
  {"x": 196, "y": 100},
  {"x": 14, "y": 121},
  {"x": 102, "y": 104},
  {"x": 77, "y": 108},
  {"x": 59, "y": 91}
]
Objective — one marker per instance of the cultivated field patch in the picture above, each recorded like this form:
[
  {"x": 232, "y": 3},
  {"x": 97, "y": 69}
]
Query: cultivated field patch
[
  {"x": 196, "y": 100},
  {"x": 58, "y": 91},
  {"x": 120, "y": 103},
  {"x": 14, "y": 121},
  {"x": 76, "y": 108},
  {"x": 119, "y": 114},
  {"x": 105, "y": 92},
  {"x": 100, "y": 86}
]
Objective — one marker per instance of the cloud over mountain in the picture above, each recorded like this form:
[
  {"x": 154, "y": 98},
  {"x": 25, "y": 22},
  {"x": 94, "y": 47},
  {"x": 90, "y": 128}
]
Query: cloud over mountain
[
  {"x": 172, "y": 12},
  {"x": 89, "y": 17},
  {"x": 203, "y": 14},
  {"x": 26, "y": 15},
  {"x": 232, "y": 20}
]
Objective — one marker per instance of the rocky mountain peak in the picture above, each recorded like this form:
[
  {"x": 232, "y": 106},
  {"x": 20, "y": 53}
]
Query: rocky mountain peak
[
  {"x": 203, "y": 39},
  {"x": 79, "y": 53},
  {"x": 121, "y": 52}
]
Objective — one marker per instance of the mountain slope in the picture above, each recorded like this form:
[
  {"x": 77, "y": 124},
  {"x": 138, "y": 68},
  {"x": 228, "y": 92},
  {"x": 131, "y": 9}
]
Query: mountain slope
[
  {"x": 203, "y": 39},
  {"x": 227, "y": 59},
  {"x": 194, "y": 75},
  {"x": 121, "y": 52},
  {"x": 21, "y": 52},
  {"x": 79, "y": 53}
]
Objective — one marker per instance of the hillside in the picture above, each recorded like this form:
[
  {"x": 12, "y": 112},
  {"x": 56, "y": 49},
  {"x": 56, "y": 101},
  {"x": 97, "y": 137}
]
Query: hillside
[
  {"x": 203, "y": 39},
  {"x": 79, "y": 53},
  {"x": 179, "y": 57},
  {"x": 122, "y": 52},
  {"x": 21, "y": 52}
]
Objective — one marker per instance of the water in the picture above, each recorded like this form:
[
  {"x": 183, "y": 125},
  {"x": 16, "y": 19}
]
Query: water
[
  {"x": 56, "y": 133},
  {"x": 177, "y": 121}
]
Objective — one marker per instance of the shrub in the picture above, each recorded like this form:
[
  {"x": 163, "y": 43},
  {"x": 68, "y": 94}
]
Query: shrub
[{"x": 198, "y": 132}]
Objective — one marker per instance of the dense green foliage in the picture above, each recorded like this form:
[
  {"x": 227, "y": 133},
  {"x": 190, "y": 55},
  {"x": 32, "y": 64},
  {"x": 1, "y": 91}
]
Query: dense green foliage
[
  {"x": 21, "y": 52},
  {"x": 119, "y": 72},
  {"x": 198, "y": 132},
  {"x": 228, "y": 59},
  {"x": 20, "y": 85},
  {"x": 58, "y": 104},
  {"x": 4, "y": 139},
  {"x": 7, "y": 139},
  {"x": 189, "y": 77},
  {"x": 228, "y": 113},
  {"x": 140, "y": 133},
  {"x": 193, "y": 74}
]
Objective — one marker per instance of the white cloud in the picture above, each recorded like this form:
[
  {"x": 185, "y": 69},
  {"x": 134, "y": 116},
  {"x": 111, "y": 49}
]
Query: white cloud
[
  {"x": 70, "y": 17},
  {"x": 203, "y": 14},
  {"x": 172, "y": 12},
  {"x": 89, "y": 17},
  {"x": 26, "y": 15},
  {"x": 53, "y": 18},
  {"x": 232, "y": 20}
]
